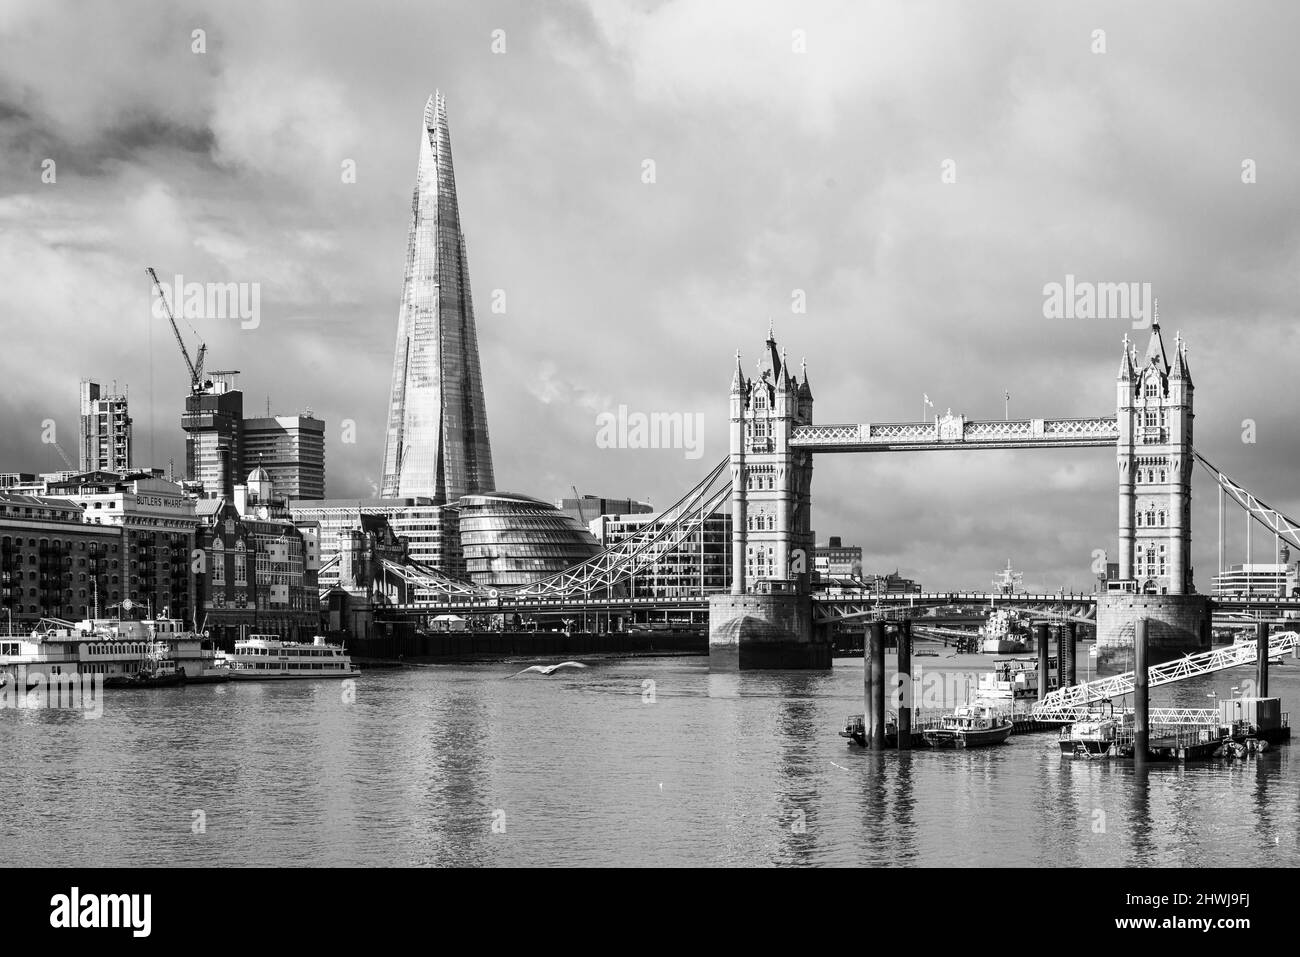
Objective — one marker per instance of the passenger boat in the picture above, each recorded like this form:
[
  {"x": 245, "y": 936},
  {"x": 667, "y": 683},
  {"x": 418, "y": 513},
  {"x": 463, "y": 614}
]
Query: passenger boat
[
  {"x": 133, "y": 654},
  {"x": 972, "y": 726},
  {"x": 266, "y": 658}
]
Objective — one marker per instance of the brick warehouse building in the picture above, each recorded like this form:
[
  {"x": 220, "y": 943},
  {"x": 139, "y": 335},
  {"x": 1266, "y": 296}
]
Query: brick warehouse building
[{"x": 53, "y": 564}]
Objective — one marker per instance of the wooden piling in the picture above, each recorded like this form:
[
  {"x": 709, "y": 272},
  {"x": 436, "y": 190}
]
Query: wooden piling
[
  {"x": 905, "y": 685},
  {"x": 1141, "y": 692}
]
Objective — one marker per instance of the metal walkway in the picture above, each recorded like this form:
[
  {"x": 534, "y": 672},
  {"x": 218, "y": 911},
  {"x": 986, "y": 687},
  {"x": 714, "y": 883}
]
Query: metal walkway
[{"x": 1068, "y": 700}]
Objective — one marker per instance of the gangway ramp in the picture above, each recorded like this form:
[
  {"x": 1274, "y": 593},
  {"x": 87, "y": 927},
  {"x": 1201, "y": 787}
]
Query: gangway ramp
[{"x": 1202, "y": 663}]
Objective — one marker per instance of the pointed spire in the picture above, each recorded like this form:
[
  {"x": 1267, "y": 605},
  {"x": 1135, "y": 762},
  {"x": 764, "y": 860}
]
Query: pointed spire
[
  {"x": 738, "y": 377},
  {"x": 1156, "y": 350},
  {"x": 805, "y": 390},
  {"x": 1181, "y": 369},
  {"x": 1126, "y": 361}
]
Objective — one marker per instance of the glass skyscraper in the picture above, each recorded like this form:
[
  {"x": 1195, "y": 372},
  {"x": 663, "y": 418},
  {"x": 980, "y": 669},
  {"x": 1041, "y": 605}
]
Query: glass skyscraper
[{"x": 437, "y": 439}]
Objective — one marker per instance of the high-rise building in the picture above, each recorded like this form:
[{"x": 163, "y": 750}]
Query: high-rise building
[
  {"x": 437, "y": 439},
  {"x": 291, "y": 448},
  {"x": 105, "y": 430},
  {"x": 213, "y": 423}
]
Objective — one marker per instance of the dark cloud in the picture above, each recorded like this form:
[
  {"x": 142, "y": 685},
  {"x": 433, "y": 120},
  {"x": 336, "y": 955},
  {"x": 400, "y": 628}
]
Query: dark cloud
[{"x": 1124, "y": 166}]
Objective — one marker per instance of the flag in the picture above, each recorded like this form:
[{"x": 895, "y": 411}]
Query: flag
[{"x": 927, "y": 400}]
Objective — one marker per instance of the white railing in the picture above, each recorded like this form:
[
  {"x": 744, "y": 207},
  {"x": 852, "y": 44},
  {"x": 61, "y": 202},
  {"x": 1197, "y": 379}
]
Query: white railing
[{"x": 1205, "y": 662}]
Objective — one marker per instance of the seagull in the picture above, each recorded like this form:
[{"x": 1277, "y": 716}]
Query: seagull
[{"x": 550, "y": 669}]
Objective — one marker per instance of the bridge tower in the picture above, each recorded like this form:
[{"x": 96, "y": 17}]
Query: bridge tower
[
  {"x": 1154, "y": 457},
  {"x": 766, "y": 621}
]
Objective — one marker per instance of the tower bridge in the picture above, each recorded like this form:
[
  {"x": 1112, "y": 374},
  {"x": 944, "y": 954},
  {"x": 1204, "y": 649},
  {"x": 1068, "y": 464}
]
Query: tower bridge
[{"x": 771, "y": 618}]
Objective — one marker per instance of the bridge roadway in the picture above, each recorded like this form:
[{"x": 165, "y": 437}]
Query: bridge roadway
[
  {"x": 826, "y": 607},
  {"x": 955, "y": 431}
]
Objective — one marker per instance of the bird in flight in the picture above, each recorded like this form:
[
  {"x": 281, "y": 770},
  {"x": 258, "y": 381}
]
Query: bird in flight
[{"x": 550, "y": 669}]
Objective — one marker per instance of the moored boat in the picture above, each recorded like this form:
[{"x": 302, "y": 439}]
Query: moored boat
[
  {"x": 972, "y": 726},
  {"x": 267, "y": 657},
  {"x": 127, "y": 653},
  {"x": 1098, "y": 735}
]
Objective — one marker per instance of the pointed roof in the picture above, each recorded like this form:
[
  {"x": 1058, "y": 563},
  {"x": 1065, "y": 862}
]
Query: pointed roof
[
  {"x": 1126, "y": 361},
  {"x": 1181, "y": 369},
  {"x": 805, "y": 390},
  {"x": 777, "y": 366},
  {"x": 738, "y": 377}
]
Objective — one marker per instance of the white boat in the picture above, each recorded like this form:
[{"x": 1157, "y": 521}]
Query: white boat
[
  {"x": 1013, "y": 679},
  {"x": 126, "y": 653},
  {"x": 267, "y": 658},
  {"x": 1097, "y": 734}
]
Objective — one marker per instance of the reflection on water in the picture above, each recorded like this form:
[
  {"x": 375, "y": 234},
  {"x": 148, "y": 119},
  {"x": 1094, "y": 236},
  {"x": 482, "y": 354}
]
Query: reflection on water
[{"x": 467, "y": 765}]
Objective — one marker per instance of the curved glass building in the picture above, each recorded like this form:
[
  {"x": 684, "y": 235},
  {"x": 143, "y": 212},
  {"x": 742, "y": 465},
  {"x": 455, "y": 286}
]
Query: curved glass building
[{"x": 511, "y": 539}]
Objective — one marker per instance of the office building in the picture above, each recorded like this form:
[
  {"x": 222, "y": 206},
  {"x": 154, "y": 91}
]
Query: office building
[
  {"x": 700, "y": 564},
  {"x": 436, "y": 445},
  {"x": 587, "y": 508},
  {"x": 510, "y": 539},
  {"x": 837, "y": 560},
  {"x": 291, "y": 448}
]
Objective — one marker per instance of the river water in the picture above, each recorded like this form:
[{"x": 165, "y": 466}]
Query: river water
[{"x": 631, "y": 762}]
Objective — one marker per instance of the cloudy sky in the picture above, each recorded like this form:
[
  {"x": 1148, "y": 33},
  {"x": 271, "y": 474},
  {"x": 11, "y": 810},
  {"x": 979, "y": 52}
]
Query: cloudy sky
[{"x": 795, "y": 147}]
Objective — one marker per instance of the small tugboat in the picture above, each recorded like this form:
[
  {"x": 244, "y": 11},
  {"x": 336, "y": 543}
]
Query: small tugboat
[
  {"x": 165, "y": 675},
  {"x": 972, "y": 726}
]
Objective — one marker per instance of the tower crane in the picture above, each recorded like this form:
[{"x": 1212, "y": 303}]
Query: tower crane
[{"x": 195, "y": 367}]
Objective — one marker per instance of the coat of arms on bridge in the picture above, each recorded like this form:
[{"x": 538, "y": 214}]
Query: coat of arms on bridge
[{"x": 952, "y": 428}]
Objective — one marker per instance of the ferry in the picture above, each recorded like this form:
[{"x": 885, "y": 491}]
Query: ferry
[
  {"x": 146, "y": 653},
  {"x": 266, "y": 658},
  {"x": 972, "y": 726}
]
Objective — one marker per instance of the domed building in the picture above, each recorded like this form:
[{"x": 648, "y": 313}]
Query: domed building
[{"x": 509, "y": 539}]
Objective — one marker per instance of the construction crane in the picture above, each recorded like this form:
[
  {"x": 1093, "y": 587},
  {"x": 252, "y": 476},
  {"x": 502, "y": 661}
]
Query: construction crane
[
  {"x": 578, "y": 501},
  {"x": 195, "y": 367}
]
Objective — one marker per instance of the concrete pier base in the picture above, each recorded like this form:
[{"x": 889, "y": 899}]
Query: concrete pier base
[
  {"x": 1177, "y": 625},
  {"x": 749, "y": 632}
]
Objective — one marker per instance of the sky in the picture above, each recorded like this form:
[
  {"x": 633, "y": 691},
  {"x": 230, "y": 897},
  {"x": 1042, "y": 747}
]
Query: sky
[{"x": 913, "y": 174}]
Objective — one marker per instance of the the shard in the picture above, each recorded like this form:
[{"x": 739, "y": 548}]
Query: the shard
[{"x": 437, "y": 441}]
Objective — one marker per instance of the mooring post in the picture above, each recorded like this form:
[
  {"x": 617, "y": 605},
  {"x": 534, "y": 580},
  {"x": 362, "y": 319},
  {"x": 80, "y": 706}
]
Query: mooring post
[
  {"x": 904, "y": 684},
  {"x": 1261, "y": 659},
  {"x": 1067, "y": 674},
  {"x": 875, "y": 691},
  {"x": 1040, "y": 639},
  {"x": 1141, "y": 692}
]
